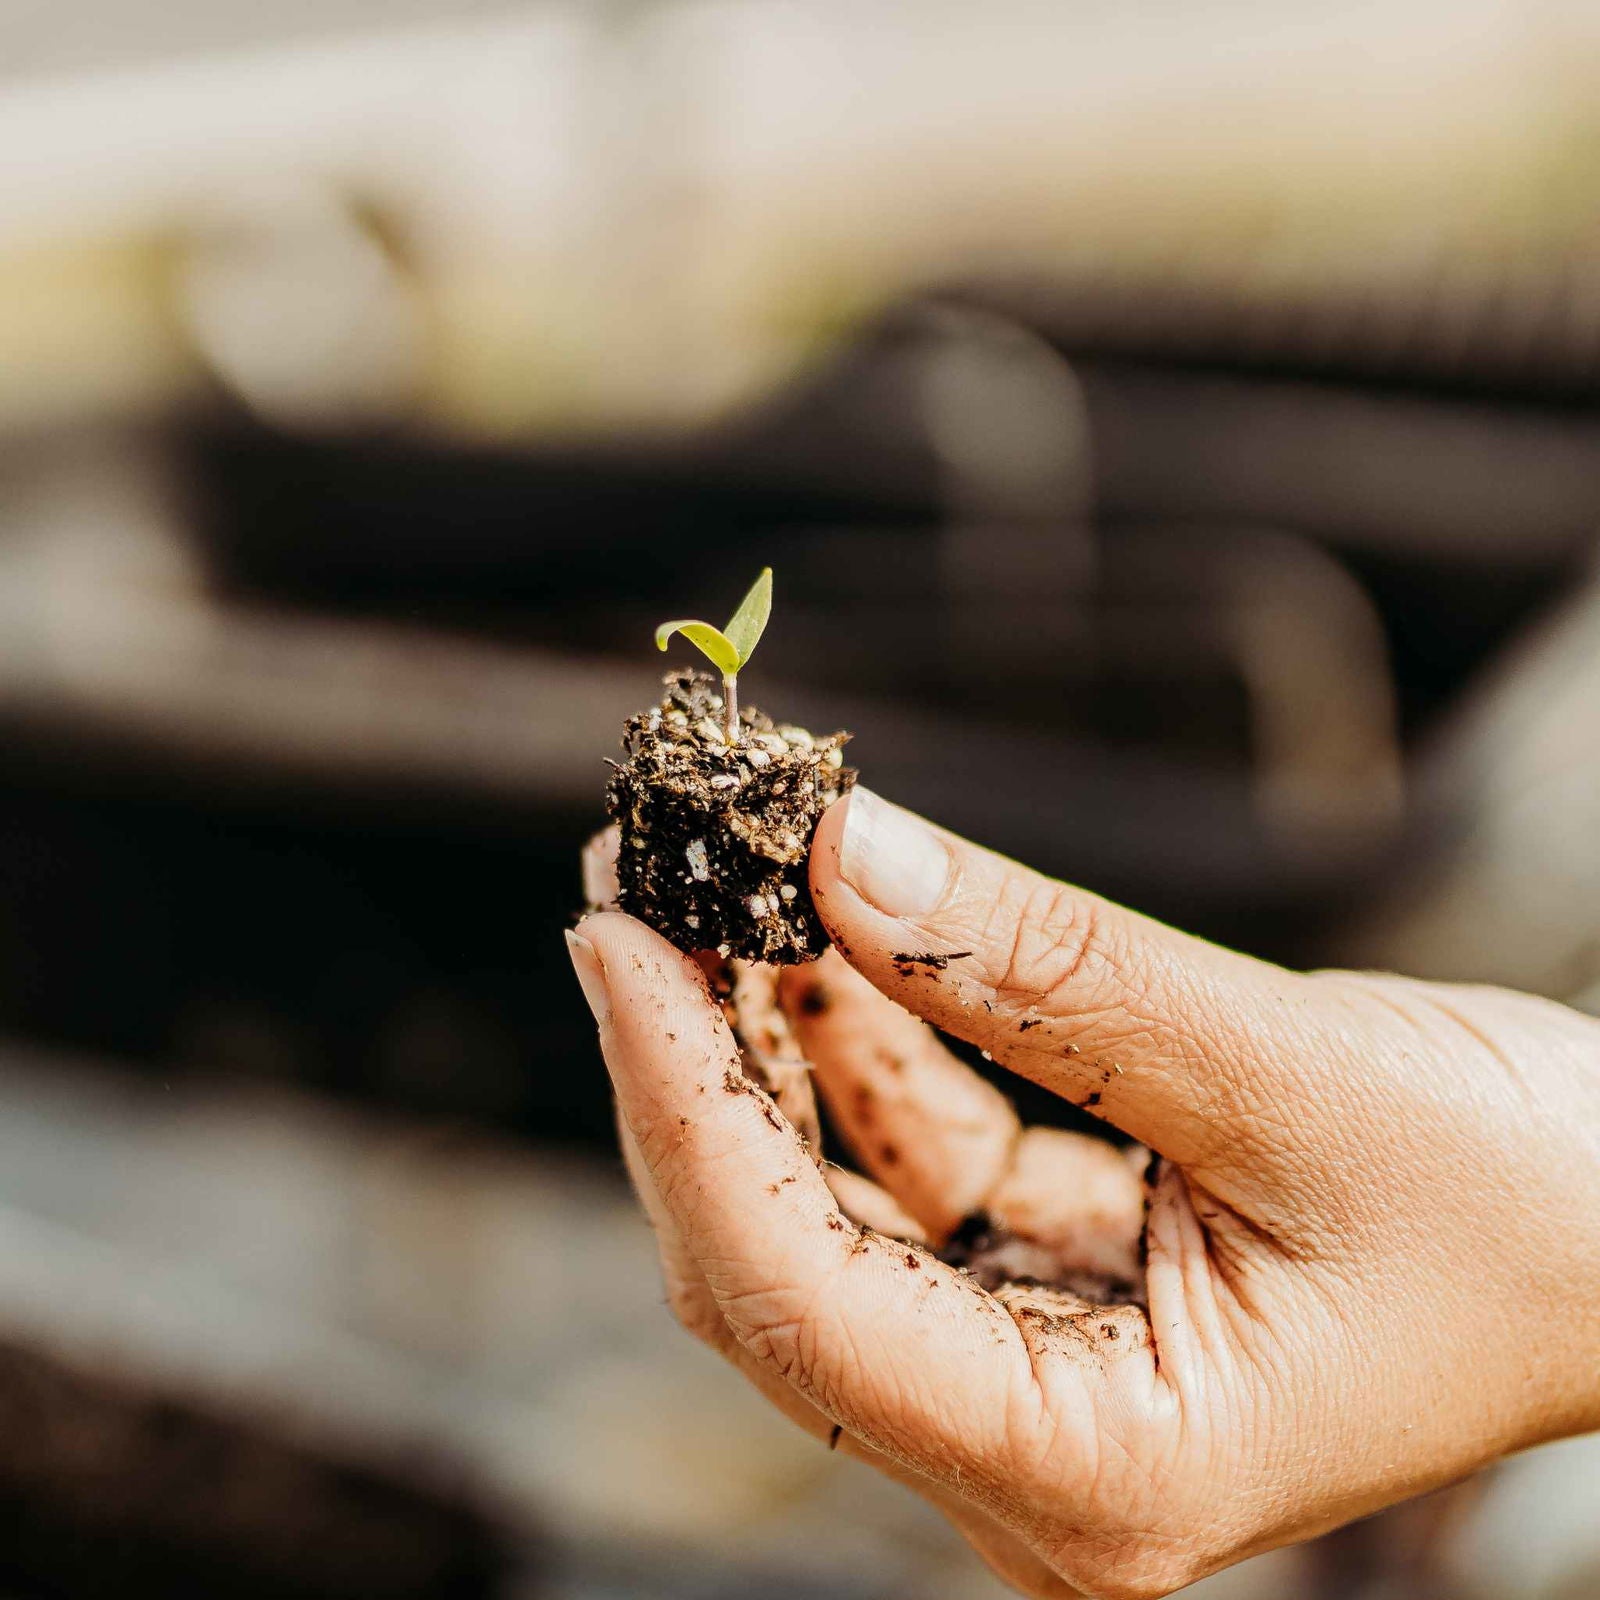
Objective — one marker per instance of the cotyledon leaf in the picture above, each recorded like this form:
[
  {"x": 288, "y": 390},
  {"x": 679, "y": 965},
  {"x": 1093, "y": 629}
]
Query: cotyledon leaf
[
  {"x": 712, "y": 643},
  {"x": 749, "y": 622}
]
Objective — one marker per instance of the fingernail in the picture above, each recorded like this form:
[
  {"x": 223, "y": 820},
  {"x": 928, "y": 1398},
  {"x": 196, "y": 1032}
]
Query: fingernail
[
  {"x": 591, "y": 976},
  {"x": 892, "y": 858}
]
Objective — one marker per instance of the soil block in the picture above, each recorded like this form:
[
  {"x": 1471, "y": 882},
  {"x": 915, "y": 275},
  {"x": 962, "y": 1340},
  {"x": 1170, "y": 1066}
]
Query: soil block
[{"x": 714, "y": 838}]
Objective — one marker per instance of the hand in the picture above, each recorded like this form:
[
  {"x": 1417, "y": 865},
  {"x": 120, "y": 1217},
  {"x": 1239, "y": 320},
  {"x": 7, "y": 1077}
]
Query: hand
[{"x": 1370, "y": 1245}]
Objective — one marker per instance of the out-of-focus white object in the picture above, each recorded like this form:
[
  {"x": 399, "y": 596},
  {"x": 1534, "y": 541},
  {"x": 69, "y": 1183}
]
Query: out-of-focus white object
[
  {"x": 646, "y": 213},
  {"x": 299, "y": 308},
  {"x": 1515, "y": 896},
  {"x": 1535, "y": 1534},
  {"x": 457, "y": 118}
]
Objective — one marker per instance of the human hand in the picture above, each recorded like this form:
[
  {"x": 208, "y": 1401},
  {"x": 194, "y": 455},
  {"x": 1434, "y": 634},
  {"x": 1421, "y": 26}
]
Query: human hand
[{"x": 1371, "y": 1249}]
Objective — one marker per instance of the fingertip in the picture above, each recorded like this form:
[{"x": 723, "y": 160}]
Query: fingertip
[
  {"x": 590, "y": 972},
  {"x": 660, "y": 1014},
  {"x": 837, "y": 904},
  {"x": 630, "y": 952},
  {"x": 873, "y": 867}
]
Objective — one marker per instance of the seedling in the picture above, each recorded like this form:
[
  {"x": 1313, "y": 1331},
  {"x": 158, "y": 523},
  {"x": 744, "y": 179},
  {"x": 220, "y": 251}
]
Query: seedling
[
  {"x": 716, "y": 808},
  {"x": 728, "y": 649}
]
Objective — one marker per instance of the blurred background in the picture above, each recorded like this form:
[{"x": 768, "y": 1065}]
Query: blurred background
[{"x": 1174, "y": 426}]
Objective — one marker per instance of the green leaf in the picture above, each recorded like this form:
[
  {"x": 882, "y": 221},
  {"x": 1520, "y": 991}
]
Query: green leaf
[
  {"x": 711, "y": 642},
  {"x": 749, "y": 622}
]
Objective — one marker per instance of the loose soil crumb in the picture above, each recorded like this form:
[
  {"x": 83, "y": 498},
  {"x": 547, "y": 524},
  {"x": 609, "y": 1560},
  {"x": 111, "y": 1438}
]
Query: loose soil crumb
[
  {"x": 929, "y": 958},
  {"x": 735, "y": 1082},
  {"x": 714, "y": 838}
]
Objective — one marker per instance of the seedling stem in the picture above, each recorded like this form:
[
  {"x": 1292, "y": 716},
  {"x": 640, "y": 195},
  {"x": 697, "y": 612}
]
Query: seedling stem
[{"x": 728, "y": 649}]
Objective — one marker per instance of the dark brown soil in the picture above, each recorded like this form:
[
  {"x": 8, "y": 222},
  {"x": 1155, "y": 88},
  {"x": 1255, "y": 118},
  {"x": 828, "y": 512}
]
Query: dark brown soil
[{"x": 714, "y": 838}]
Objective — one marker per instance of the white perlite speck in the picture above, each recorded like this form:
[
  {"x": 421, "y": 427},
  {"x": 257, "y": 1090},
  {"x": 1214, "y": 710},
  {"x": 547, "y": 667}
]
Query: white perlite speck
[
  {"x": 788, "y": 891},
  {"x": 696, "y": 857},
  {"x": 756, "y": 905}
]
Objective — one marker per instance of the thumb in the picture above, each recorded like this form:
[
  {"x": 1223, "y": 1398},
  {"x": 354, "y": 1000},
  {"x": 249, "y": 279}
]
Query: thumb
[{"x": 1191, "y": 1049}]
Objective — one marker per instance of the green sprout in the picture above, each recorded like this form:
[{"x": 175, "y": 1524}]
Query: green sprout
[{"x": 728, "y": 649}]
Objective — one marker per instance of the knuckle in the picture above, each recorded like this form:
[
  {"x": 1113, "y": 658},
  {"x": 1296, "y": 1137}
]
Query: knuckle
[
  {"x": 1049, "y": 944},
  {"x": 776, "y": 1323},
  {"x": 784, "y": 1330},
  {"x": 782, "y": 1346}
]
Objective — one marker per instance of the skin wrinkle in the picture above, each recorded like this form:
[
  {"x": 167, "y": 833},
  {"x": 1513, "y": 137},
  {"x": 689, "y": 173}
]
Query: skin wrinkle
[
  {"x": 805, "y": 1375},
  {"x": 1404, "y": 1216},
  {"x": 1128, "y": 1557},
  {"x": 1040, "y": 1403},
  {"x": 1235, "y": 1269},
  {"x": 871, "y": 1244},
  {"x": 1167, "y": 1290},
  {"x": 1455, "y": 1018},
  {"x": 1208, "y": 1319},
  {"x": 1054, "y": 961},
  {"x": 920, "y": 1396},
  {"x": 777, "y": 1345},
  {"x": 1049, "y": 945},
  {"x": 1228, "y": 1101}
]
